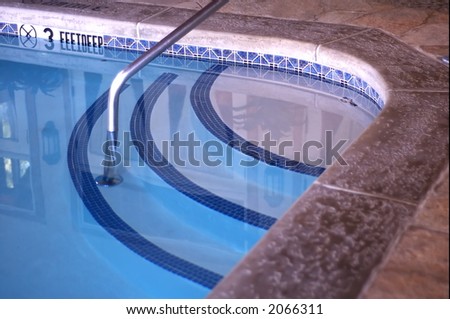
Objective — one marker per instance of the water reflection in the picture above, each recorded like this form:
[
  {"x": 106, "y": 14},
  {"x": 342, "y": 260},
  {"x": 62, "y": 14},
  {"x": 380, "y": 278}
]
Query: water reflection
[
  {"x": 284, "y": 120},
  {"x": 21, "y": 87},
  {"x": 15, "y": 183}
]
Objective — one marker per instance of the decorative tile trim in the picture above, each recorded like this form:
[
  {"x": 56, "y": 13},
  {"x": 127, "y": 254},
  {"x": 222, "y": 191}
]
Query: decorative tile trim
[
  {"x": 259, "y": 72},
  {"x": 254, "y": 59},
  {"x": 8, "y": 28},
  {"x": 133, "y": 47}
]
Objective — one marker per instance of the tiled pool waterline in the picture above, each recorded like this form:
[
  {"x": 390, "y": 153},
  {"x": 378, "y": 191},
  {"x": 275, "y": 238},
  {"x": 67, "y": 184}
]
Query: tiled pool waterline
[{"x": 329, "y": 243}]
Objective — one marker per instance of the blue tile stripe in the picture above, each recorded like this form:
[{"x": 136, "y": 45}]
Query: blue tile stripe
[
  {"x": 203, "y": 108},
  {"x": 255, "y": 59},
  {"x": 8, "y": 39},
  {"x": 88, "y": 191},
  {"x": 148, "y": 151},
  {"x": 240, "y": 57},
  {"x": 8, "y": 28}
]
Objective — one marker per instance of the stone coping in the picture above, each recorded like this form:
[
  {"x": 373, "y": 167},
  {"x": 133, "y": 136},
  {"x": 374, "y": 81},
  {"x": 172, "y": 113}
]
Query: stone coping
[{"x": 337, "y": 234}]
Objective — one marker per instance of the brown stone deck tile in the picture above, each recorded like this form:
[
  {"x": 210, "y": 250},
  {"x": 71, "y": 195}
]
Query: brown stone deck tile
[
  {"x": 417, "y": 268},
  {"x": 325, "y": 247},
  {"x": 397, "y": 155},
  {"x": 435, "y": 212}
]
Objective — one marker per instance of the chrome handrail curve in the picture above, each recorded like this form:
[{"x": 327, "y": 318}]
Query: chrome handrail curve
[{"x": 109, "y": 178}]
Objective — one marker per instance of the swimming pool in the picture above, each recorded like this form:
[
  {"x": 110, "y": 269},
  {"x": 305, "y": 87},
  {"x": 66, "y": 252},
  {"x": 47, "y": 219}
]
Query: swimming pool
[
  {"x": 204, "y": 172},
  {"x": 333, "y": 240}
]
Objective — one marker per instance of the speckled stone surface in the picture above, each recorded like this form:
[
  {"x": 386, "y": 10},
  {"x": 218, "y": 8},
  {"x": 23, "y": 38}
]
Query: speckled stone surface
[
  {"x": 399, "y": 65},
  {"x": 251, "y": 26},
  {"x": 418, "y": 266},
  {"x": 402, "y": 153},
  {"x": 423, "y": 24},
  {"x": 434, "y": 214},
  {"x": 98, "y": 9},
  {"x": 325, "y": 247},
  {"x": 300, "y": 39}
]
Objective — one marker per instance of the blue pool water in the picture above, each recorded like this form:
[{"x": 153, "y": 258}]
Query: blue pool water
[{"x": 202, "y": 183}]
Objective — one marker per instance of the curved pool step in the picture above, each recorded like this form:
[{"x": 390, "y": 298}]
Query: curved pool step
[
  {"x": 101, "y": 211},
  {"x": 177, "y": 213},
  {"x": 149, "y": 152},
  {"x": 203, "y": 107},
  {"x": 237, "y": 178},
  {"x": 170, "y": 227}
]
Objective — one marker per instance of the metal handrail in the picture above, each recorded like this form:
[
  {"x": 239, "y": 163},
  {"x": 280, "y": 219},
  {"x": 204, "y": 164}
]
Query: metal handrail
[{"x": 109, "y": 178}]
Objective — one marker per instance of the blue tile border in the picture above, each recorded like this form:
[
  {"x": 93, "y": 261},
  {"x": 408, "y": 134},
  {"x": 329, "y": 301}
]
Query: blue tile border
[
  {"x": 237, "y": 57},
  {"x": 83, "y": 180},
  {"x": 255, "y": 59},
  {"x": 8, "y": 28},
  {"x": 9, "y": 39}
]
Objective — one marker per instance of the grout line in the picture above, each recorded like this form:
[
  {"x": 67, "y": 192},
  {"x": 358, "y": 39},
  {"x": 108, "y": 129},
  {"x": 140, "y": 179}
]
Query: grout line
[
  {"x": 430, "y": 195},
  {"x": 316, "y": 53},
  {"x": 389, "y": 252},
  {"x": 430, "y": 229},
  {"x": 379, "y": 196},
  {"x": 391, "y": 249},
  {"x": 419, "y": 90},
  {"x": 138, "y": 25},
  {"x": 378, "y": 269}
]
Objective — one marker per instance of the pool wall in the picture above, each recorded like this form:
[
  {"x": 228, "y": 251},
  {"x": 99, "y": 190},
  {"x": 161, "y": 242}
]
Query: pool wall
[{"x": 331, "y": 243}]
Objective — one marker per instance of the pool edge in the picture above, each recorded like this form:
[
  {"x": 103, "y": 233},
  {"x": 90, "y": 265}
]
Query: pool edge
[{"x": 395, "y": 87}]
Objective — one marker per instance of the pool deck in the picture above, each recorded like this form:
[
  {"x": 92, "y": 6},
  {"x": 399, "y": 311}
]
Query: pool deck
[{"x": 379, "y": 227}]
